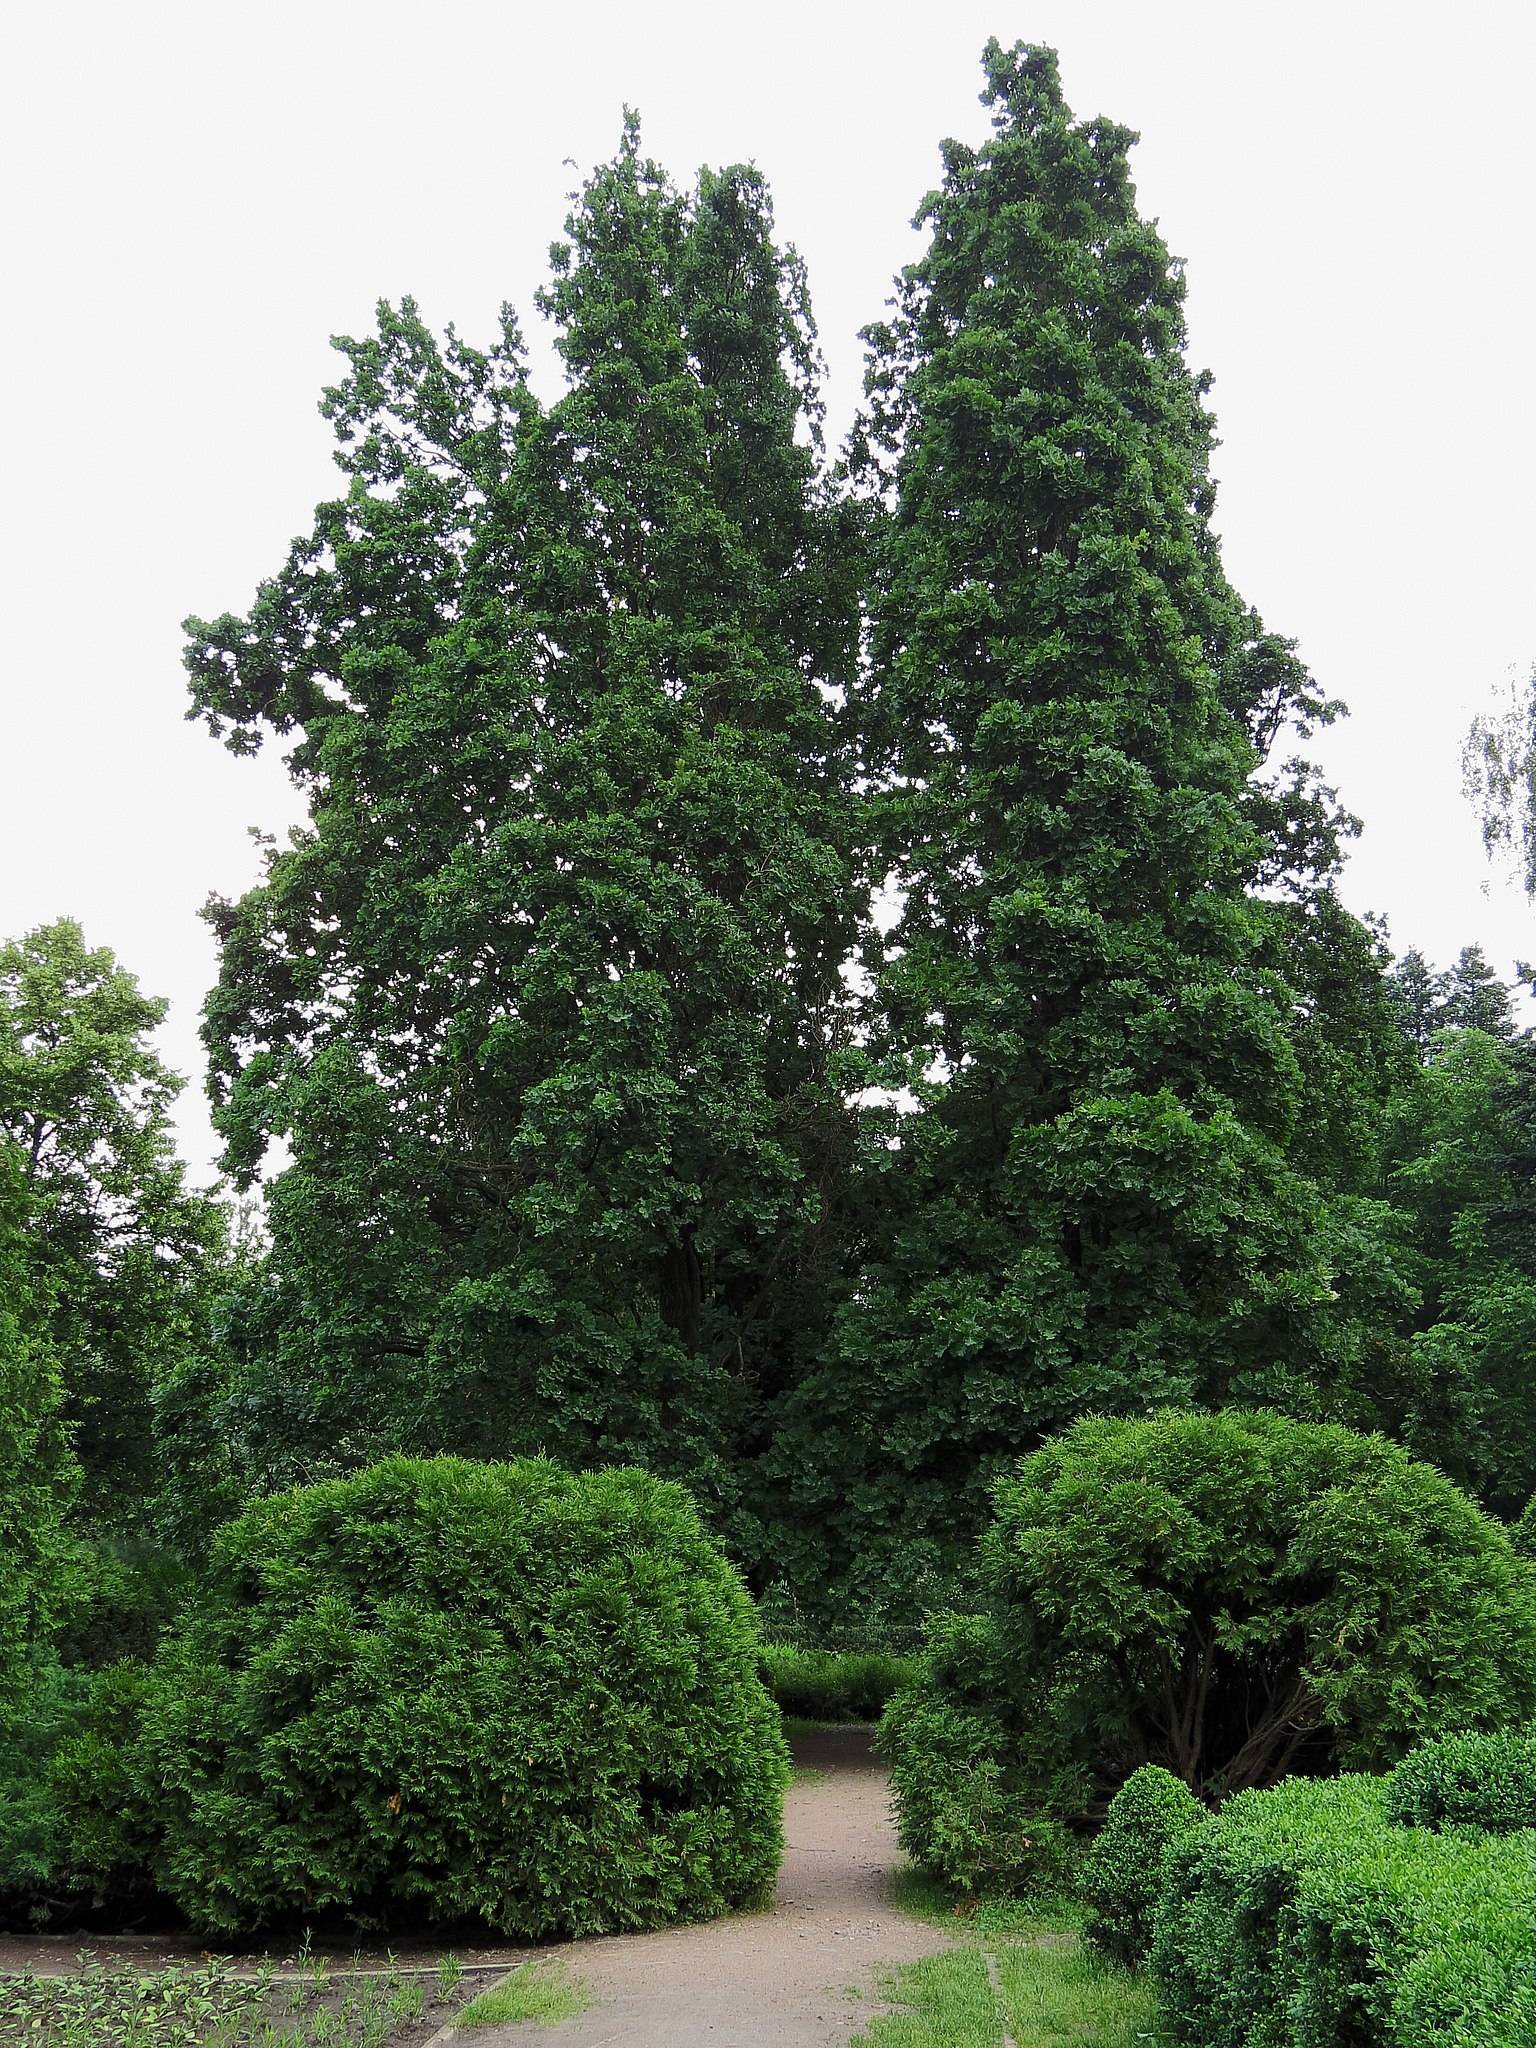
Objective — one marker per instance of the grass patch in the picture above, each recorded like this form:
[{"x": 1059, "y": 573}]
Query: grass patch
[
  {"x": 945, "y": 2001},
  {"x": 806, "y": 1774},
  {"x": 1063, "y": 1994},
  {"x": 797, "y": 1724},
  {"x": 926, "y": 1897},
  {"x": 1050, "y": 1991},
  {"x": 538, "y": 1991},
  {"x": 833, "y": 1685}
]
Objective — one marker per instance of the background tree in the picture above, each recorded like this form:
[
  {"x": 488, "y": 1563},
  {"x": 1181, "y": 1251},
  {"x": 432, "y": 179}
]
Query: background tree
[
  {"x": 546, "y": 1001},
  {"x": 1498, "y": 762},
  {"x": 1469, "y": 996},
  {"x": 119, "y": 1246},
  {"x": 1460, "y": 1165},
  {"x": 36, "y": 1471}
]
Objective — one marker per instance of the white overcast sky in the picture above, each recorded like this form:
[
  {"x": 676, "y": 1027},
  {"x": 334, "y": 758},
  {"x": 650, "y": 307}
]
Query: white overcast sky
[{"x": 195, "y": 196}]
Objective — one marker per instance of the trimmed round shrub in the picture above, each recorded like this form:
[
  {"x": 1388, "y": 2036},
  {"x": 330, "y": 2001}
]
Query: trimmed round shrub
[
  {"x": 1124, "y": 1871},
  {"x": 1235, "y": 1596},
  {"x": 462, "y": 1692},
  {"x": 1478, "y": 1781}
]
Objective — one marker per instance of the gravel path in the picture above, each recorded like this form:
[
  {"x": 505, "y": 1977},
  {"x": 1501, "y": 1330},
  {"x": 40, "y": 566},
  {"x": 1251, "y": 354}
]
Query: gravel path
[{"x": 801, "y": 1976}]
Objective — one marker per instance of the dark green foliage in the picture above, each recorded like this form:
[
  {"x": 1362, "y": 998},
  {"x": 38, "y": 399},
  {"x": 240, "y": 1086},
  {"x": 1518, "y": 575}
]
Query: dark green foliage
[
  {"x": 115, "y": 1598},
  {"x": 1132, "y": 1078},
  {"x": 454, "y": 1691},
  {"x": 547, "y": 998},
  {"x": 833, "y": 1685},
  {"x": 1479, "y": 1781},
  {"x": 77, "y": 1826},
  {"x": 1301, "y": 1918},
  {"x": 1123, "y": 1873},
  {"x": 1523, "y": 1534},
  {"x": 1459, "y": 1153},
  {"x": 1233, "y": 1596},
  {"x": 978, "y": 1818}
]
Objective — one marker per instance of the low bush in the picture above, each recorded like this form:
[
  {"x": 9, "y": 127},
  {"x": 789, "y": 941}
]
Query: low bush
[
  {"x": 1479, "y": 1781},
  {"x": 981, "y": 1825},
  {"x": 76, "y": 1827},
  {"x": 833, "y": 1685},
  {"x": 1233, "y": 1596},
  {"x": 456, "y": 1691},
  {"x": 1303, "y": 1918},
  {"x": 1123, "y": 1873}
]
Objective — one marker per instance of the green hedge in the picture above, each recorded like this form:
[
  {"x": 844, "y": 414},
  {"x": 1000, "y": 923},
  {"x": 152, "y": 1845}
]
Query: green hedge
[
  {"x": 452, "y": 1691},
  {"x": 833, "y": 1685},
  {"x": 1303, "y": 1918},
  {"x": 1480, "y": 1781},
  {"x": 1123, "y": 1875}
]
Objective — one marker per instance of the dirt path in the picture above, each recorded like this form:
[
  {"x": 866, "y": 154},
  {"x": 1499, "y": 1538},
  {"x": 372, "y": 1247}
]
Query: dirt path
[{"x": 802, "y": 1976}]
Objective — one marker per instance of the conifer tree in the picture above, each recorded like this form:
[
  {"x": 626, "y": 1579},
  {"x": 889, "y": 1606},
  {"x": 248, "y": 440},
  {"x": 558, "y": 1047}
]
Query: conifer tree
[
  {"x": 546, "y": 1000},
  {"x": 1092, "y": 1205}
]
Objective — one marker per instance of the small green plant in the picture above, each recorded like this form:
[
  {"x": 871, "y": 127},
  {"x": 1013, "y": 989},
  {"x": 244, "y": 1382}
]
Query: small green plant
[
  {"x": 537, "y": 1991},
  {"x": 408, "y": 2001},
  {"x": 180, "y": 2007},
  {"x": 449, "y": 1973},
  {"x": 1123, "y": 1873}
]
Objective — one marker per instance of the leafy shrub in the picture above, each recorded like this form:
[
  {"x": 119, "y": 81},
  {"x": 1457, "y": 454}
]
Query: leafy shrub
[
  {"x": 466, "y": 1691},
  {"x": 960, "y": 1812},
  {"x": 1480, "y": 1781},
  {"x": 1124, "y": 1870},
  {"x": 1233, "y": 1596},
  {"x": 831, "y": 1685},
  {"x": 1302, "y": 1918},
  {"x": 76, "y": 1829},
  {"x": 1523, "y": 1534}
]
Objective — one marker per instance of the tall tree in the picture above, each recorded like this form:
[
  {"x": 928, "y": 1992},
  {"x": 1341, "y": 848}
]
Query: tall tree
[
  {"x": 36, "y": 1471},
  {"x": 547, "y": 1001},
  {"x": 120, "y": 1246},
  {"x": 1093, "y": 1203}
]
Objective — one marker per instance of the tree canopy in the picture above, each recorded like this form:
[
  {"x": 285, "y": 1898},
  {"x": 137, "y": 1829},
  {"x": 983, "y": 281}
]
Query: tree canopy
[{"x": 807, "y": 974}]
